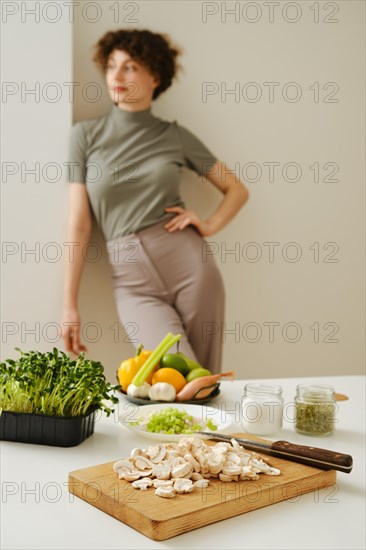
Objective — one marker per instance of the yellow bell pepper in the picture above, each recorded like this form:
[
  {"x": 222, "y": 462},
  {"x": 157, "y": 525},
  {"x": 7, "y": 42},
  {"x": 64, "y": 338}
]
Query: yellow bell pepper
[{"x": 129, "y": 367}]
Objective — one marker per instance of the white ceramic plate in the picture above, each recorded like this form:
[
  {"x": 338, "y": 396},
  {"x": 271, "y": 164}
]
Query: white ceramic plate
[{"x": 202, "y": 413}]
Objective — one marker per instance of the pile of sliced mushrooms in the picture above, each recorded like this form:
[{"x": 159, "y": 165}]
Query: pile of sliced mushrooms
[{"x": 176, "y": 468}]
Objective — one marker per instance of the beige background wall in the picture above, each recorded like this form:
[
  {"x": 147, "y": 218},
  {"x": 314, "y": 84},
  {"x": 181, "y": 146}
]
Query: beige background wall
[{"x": 284, "y": 318}]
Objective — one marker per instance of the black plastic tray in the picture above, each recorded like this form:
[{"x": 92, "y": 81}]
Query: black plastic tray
[{"x": 60, "y": 431}]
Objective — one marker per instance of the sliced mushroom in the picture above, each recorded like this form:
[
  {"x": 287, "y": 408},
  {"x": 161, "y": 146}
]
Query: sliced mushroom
[
  {"x": 145, "y": 473},
  {"x": 179, "y": 460},
  {"x": 246, "y": 470},
  {"x": 162, "y": 483},
  {"x": 196, "y": 476},
  {"x": 142, "y": 484},
  {"x": 157, "y": 453},
  {"x": 182, "y": 485},
  {"x": 182, "y": 470},
  {"x": 162, "y": 470},
  {"x": 184, "y": 447},
  {"x": 244, "y": 459},
  {"x": 165, "y": 492},
  {"x": 201, "y": 483},
  {"x": 202, "y": 459},
  {"x": 171, "y": 454},
  {"x": 260, "y": 457},
  {"x": 231, "y": 469},
  {"x": 123, "y": 464},
  {"x": 215, "y": 463},
  {"x": 220, "y": 450},
  {"x": 153, "y": 451},
  {"x": 248, "y": 475},
  {"x": 233, "y": 457},
  {"x": 225, "y": 477},
  {"x": 196, "y": 465},
  {"x": 222, "y": 446},
  {"x": 181, "y": 467},
  {"x": 135, "y": 453},
  {"x": 259, "y": 464},
  {"x": 128, "y": 475},
  {"x": 197, "y": 443},
  {"x": 172, "y": 446},
  {"x": 142, "y": 463},
  {"x": 172, "y": 461},
  {"x": 272, "y": 471},
  {"x": 236, "y": 446}
]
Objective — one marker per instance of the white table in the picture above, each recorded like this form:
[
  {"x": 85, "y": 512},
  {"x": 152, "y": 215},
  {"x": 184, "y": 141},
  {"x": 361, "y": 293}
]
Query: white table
[{"x": 37, "y": 511}]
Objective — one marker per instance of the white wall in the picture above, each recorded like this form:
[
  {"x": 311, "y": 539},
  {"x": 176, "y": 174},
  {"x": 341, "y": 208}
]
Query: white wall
[
  {"x": 34, "y": 54},
  {"x": 323, "y": 299}
]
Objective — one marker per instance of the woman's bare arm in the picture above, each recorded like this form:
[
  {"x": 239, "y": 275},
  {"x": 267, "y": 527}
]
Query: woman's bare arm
[
  {"x": 79, "y": 228},
  {"x": 235, "y": 196}
]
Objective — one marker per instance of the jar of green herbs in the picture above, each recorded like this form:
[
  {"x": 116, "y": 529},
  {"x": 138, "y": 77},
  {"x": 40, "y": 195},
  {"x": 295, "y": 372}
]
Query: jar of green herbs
[{"x": 315, "y": 408}]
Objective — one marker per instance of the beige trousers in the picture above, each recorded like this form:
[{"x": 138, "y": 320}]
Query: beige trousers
[{"x": 167, "y": 282}]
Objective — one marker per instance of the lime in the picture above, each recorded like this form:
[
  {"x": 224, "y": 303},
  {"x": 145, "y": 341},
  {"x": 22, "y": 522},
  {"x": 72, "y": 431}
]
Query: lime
[
  {"x": 191, "y": 364},
  {"x": 173, "y": 361},
  {"x": 197, "y": 373}
]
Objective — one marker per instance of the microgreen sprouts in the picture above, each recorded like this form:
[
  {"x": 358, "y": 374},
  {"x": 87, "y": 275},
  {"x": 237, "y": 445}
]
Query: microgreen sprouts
[{"x": 51, "y": 383}]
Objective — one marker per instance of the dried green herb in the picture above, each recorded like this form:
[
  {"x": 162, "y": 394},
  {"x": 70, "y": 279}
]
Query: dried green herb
[{"x": 315, "y": 418}]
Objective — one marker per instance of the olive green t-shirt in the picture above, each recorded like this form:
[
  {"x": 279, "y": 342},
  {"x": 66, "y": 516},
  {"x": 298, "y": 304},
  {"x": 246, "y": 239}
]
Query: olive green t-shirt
[{"x": 131, "y": 163}]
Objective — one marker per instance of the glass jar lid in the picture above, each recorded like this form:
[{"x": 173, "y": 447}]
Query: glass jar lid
[
  {"x": 315, "y": 393},
  {"x": 264, "y": 390}
]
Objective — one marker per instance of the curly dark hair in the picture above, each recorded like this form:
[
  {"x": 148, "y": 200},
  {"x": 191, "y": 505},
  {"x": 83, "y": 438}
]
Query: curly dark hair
[{"x": 153, "y": 50}]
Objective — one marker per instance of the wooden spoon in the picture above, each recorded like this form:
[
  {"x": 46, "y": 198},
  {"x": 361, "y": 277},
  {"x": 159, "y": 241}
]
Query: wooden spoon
[{"x": 341, "y": 397}]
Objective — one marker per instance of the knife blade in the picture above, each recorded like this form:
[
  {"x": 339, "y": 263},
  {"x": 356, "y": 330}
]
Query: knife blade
[{"x": 310, "y": 456}]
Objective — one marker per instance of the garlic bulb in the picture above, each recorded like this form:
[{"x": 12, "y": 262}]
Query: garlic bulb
[
  {"x": 139, "y": 391},
  {"x": 162, "y": 391}
]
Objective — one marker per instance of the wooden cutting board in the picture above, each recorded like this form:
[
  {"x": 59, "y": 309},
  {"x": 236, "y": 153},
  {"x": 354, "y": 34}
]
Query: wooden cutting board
[{"x": 159, "y": 518}]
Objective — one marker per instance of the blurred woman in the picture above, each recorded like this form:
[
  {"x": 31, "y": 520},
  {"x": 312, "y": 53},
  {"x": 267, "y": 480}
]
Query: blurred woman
[{"x": 125, "y": 169}]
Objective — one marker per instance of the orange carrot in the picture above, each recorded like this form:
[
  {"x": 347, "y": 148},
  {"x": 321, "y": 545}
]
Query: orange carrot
[{"x": 191, "y": 388}]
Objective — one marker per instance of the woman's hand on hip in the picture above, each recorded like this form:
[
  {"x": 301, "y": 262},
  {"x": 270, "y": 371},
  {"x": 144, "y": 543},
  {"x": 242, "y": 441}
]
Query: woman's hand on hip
[
  {"x": 70, "y": 329},
  {"x": 184, "y": 218}
]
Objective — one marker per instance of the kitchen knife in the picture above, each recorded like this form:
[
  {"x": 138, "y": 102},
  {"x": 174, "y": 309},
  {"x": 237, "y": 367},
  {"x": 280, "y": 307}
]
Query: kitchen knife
[{"x": 310, "y": 456}]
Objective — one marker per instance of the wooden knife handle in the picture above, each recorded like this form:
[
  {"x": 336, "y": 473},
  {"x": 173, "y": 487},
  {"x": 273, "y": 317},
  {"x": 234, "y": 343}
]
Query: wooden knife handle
[{"x": 312, "y": 456}]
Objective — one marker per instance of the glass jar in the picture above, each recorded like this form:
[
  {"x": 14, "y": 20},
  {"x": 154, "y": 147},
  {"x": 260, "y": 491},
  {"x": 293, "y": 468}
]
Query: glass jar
[
  {"x": 262, "y": 409},
  {"x": 315, "y": 408}
]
